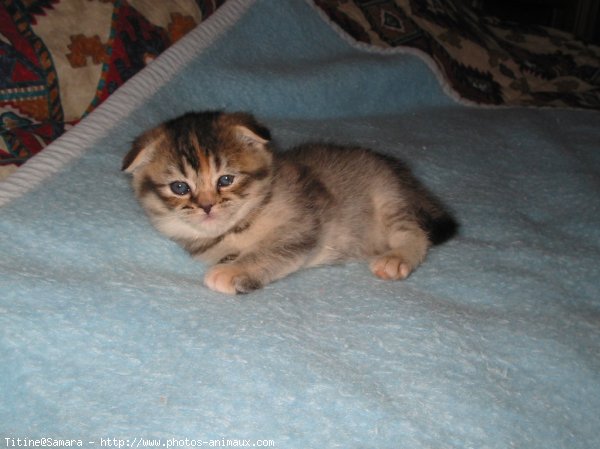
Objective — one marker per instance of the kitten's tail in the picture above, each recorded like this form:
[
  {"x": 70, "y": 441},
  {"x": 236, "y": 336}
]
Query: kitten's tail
[
  {"x": 439, "y": 225},
  {"x": 431, "y": 214},
  {"x": 434, "y": 219}
]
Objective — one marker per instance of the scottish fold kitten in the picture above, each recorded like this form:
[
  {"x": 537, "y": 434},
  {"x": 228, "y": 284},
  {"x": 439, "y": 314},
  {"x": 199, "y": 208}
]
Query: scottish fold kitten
[{"x": 211, "y": 182}]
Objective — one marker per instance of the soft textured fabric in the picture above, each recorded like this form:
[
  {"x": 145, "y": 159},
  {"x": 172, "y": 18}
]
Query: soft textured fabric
[{"x": 107, "y": 332}]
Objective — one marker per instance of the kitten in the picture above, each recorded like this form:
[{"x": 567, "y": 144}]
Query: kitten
[{"x": 211, "y": 182}]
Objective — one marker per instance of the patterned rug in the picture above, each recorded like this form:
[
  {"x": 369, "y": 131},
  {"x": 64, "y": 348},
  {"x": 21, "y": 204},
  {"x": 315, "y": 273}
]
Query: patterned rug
[
  {"x": 485, "y": 60},
  {"x": 61, "y": 58}
]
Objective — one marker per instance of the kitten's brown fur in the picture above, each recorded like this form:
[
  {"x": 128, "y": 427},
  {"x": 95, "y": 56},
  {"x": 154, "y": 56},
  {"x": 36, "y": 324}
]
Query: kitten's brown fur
[{"x": 313, "y": 205}]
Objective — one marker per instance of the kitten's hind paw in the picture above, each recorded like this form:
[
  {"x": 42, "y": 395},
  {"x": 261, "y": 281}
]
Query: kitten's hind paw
[
  {"x": 230, "y": 279},
  {"x": 390, "y": 267}
]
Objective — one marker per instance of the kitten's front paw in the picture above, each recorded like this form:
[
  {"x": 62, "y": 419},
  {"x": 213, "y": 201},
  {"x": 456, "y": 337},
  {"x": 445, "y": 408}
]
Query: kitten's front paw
[
  {"x": 390, "y": 267},
  {"x": 230, "y": 279}
]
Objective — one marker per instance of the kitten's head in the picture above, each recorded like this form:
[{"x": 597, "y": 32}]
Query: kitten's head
[{"x": 200, "y": 174}]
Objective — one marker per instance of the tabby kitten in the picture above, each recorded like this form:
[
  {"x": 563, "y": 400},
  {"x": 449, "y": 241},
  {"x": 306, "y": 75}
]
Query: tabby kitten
[{"x": 211, "y": 182}]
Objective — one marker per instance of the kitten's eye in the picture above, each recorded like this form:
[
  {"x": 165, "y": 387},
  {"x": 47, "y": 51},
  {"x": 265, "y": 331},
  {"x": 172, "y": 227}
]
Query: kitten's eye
[
  {"x": 179, "y": 188},
  {"x": 225, "y": 180}
]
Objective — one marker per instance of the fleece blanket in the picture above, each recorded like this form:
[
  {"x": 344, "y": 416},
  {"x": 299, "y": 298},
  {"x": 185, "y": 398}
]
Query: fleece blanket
[{"x": 108, "y": 338}]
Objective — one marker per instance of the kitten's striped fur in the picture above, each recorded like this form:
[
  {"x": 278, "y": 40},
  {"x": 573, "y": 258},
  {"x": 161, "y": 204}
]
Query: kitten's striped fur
[{"x": 211, "y": 182}]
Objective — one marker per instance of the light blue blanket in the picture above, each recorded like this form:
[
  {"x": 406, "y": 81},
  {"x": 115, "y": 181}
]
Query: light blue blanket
[{"x": 107, "y": 334}]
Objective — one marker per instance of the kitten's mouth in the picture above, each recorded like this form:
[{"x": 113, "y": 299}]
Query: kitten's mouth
[{"x": 202, "y": 217}]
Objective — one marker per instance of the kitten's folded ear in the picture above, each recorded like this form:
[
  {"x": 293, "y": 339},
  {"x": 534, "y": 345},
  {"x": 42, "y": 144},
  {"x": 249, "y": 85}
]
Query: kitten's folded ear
[
  {"x": 251, "y": 136},
  {"x": 249, "y": 130},
  {"x": 142, "y": 149}
]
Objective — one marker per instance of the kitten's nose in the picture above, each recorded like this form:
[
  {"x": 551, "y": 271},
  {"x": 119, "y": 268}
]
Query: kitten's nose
[{"x": 206, "y": 207}]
